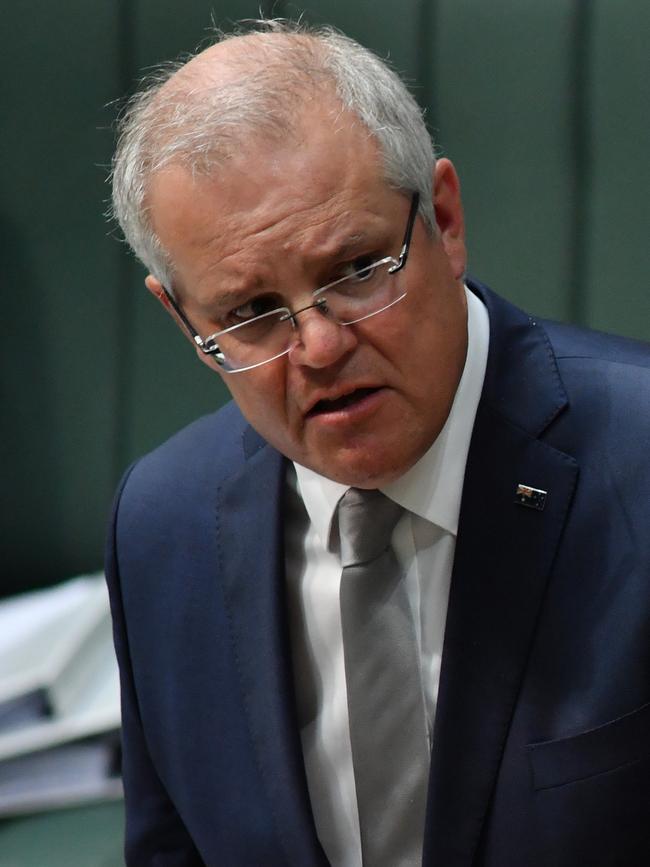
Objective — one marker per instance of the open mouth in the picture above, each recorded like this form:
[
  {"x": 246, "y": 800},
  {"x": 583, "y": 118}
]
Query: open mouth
[{"x": 340, "y": 403}]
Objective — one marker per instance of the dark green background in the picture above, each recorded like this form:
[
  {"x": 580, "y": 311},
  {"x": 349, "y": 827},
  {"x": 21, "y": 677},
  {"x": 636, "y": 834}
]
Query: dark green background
[{"x": 543, "y": 107}]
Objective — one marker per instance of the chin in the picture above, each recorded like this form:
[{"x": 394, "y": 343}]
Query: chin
[{"x": 367, "y": 473}]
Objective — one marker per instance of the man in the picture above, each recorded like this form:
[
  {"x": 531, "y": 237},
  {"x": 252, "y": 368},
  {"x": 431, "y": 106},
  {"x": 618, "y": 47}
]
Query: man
[{"x": 483, "y": 698}]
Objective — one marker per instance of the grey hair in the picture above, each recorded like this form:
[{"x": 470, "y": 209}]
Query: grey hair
[{"x": 200, "y": 122}]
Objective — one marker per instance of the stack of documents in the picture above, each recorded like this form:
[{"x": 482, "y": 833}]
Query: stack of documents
[{"x": 59, "y": 699}]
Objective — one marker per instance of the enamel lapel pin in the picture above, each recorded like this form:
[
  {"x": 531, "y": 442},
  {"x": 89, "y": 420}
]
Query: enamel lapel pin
[{"x": 533, "y": 498}]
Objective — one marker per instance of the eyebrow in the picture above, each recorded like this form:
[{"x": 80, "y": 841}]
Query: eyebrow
[{"x": 349, "y": 245}]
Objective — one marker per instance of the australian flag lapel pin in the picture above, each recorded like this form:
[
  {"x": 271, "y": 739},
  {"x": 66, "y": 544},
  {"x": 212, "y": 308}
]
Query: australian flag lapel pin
[{"x": 532, "y": 498}]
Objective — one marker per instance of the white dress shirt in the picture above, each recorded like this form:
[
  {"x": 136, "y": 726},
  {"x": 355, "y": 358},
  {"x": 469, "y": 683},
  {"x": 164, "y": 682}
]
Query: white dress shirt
[{"x": 424, "y": 541}]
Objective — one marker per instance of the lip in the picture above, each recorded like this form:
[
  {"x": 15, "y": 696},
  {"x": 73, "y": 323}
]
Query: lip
[{"x": 348, "y": 412}]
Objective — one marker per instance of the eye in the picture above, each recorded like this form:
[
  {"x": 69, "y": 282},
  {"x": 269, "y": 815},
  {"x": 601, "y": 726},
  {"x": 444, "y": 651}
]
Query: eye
[
  {"x": 360, "y": 269},
  {"x": 257, "y": 306}
]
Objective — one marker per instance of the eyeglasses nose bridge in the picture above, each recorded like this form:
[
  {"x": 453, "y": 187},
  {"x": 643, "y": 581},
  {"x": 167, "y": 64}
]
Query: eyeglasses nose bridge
[{"x": 320, "y": 304}]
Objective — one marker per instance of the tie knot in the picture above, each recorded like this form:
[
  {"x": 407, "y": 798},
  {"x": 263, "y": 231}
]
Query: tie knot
[{"x": 366, "y": 522}]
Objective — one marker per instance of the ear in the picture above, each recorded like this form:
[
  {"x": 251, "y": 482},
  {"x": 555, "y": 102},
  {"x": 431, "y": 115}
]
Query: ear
[
  {"x": 449, "y": 215},
  {"x": 156, "y": 289}
]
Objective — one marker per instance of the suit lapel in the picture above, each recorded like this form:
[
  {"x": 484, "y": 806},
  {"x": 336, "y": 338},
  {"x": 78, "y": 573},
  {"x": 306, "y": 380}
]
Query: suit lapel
[
  {"x": 503, "y": 558},
  {"x": 249, "y": 509}
]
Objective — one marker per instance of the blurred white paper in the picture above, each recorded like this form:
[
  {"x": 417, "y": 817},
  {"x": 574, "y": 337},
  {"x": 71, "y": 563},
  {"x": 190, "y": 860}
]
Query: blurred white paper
[
  {"x": 46, "y": 637},
  {"x": 59, "y": 698}
]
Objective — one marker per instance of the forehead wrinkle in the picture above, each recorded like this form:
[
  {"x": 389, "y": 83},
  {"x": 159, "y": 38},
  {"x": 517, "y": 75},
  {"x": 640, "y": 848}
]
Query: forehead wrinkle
[
  {"x": 332, "y": 246},
  {"x": 335, "y": 222},
  {"x": 309, "y": 214}
]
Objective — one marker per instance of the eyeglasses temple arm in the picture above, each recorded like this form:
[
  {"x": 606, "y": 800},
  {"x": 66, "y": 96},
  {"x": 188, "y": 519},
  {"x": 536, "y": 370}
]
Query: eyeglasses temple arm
[
  {"x": 209, "y": 346},
  {"x": 401, "y": 261}
]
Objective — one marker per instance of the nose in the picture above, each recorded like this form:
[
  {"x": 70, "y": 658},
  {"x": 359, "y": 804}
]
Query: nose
[{"x": 320, "y": 340}]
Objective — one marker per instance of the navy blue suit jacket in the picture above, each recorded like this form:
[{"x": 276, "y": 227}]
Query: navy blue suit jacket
[{"x": 541, "y": 751}]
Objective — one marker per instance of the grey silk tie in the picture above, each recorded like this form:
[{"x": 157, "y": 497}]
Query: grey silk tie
[{"x": 385, "y": 702}]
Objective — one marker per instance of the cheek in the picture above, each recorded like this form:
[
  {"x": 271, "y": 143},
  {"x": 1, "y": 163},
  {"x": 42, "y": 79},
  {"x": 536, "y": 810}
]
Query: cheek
[
  {"x": 261, "y": 396},
  {"x": 433, "y": 346}
]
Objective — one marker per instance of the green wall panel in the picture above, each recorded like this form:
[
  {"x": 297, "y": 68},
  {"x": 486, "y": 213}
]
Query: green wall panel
[
  {"x": 60, "y": 313},
  {"x": 618, "y": 252},
  {"x": 502, "y": 95}
]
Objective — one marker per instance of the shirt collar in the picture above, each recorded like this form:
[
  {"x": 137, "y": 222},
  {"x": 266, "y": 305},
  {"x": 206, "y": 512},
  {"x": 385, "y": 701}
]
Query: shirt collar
[{"x": 432, "y": 488}]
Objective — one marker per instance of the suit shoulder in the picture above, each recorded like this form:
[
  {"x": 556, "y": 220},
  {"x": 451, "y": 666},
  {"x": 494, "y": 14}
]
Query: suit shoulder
[
  {"x": 217, "y": 435},
  {"x": 572, "y": 342},
  {"x": 607, "y": 382},
  {"x": 194, "y": 458},
  {"x": 605, "y": 371}
]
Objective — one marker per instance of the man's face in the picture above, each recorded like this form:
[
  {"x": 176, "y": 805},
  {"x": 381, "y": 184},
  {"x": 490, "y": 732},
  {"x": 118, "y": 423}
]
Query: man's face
[{"x": 361, "y": 403}]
